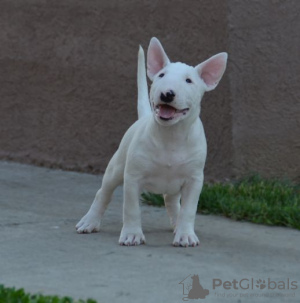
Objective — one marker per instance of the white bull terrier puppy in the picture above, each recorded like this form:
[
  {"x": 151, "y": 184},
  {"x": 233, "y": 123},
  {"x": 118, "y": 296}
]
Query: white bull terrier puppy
[{"x": 164, "y": 152}]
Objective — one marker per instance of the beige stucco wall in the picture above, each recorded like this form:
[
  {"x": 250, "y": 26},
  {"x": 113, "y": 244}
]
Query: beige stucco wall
[
  {"x": 68, "y": 79},
  {"x": 264, "y": 44}
]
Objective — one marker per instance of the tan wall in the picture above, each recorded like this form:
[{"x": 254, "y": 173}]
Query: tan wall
[
  {"x": 68, "y": 79},
  {"x": 264, "y": 44}
]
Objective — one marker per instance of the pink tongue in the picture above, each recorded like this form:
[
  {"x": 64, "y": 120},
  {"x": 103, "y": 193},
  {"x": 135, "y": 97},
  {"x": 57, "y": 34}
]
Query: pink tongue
[{"x": 166, "y": 111}]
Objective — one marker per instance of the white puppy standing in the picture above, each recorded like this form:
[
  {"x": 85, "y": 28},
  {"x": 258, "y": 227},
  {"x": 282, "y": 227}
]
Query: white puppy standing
[{"x": 164, "y": 151}]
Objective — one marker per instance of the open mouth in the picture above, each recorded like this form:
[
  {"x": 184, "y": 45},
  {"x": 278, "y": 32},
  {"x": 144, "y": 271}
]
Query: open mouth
[{"x": 168, "y": 112}]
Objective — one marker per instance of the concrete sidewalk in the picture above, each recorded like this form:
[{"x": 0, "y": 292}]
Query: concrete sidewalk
[{"x": 41, "y": 252}]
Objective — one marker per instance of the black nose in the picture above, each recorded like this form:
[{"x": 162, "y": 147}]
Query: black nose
[{"x": 168, "y": 97}]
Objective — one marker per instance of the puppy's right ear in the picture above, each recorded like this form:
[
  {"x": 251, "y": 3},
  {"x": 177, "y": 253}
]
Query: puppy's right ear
[{"x": 156, "y": 58}]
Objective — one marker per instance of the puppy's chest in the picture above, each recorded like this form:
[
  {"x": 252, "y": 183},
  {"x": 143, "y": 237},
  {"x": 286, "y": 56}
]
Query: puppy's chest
[
  {"x": 166, "y": 173},
  {"x": 168, "y": 162}
]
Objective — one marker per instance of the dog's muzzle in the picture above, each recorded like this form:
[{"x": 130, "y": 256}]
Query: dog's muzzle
[
  {"x": 167, "y": 112},
  {"x": 168, "y": 97}
]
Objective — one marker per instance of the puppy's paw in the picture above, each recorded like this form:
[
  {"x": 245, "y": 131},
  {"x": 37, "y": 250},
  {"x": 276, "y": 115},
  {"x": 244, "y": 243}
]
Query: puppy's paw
[
  {"x": 132, "y": 236},
  {"x": 185, "y": 239},
  {"x": 88, "y": 224}
]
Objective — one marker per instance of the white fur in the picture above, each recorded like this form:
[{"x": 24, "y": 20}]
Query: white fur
[{"x": 160, "y": 156}]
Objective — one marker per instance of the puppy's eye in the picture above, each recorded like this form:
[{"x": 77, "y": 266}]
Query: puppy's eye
[
  {"x": 161, "y": 75},
  {"x": 188, "y": 80}
]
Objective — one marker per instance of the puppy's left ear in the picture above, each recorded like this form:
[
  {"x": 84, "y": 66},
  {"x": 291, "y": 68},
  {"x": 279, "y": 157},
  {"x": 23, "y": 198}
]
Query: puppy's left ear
[{"x": 212, "y": 70}]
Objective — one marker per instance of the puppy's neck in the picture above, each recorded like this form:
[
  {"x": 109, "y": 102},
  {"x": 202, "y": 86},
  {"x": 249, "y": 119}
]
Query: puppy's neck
[{"x": 178, "y": 133}]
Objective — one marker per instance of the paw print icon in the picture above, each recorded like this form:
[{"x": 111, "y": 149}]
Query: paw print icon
[{"x": 261, "y": 284}]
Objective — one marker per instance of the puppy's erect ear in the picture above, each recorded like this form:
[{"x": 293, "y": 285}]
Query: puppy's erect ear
[
  {"x": 212, "y": 70},
  {"x": 156, "y": 58}
]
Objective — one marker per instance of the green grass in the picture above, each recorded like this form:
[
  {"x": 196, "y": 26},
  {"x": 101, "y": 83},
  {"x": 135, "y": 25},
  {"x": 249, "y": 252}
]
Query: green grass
[
  {"x": 12, "y": 295},
  {"x": 254, "y": 199}
]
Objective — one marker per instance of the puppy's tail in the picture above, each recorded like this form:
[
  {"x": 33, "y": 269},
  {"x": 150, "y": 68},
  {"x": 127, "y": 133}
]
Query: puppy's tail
[{"x": 143, "y": 98}]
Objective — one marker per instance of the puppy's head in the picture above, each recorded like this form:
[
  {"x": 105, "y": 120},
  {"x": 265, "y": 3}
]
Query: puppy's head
[{"x": 177, "y": 88}]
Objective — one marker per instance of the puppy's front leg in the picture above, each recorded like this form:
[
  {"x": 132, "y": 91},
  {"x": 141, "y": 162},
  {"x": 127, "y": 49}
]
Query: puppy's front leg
[
  {"x": 112, "y": 178},
  {"x": 131, "y": 233},
  {"x": 184, "y": 233}
]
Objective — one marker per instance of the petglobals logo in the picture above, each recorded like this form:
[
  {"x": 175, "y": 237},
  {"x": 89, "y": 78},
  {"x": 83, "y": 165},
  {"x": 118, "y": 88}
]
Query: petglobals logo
[
  {"x": 192, "y": 289},
  {"x": 195, "y": 288},
  {"x": 252, "y": 284}
]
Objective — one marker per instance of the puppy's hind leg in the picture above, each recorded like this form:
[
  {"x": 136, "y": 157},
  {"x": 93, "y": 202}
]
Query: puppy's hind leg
[
  {"x": 112, "y": 178},
  {"x": 172, "y": 203}
]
